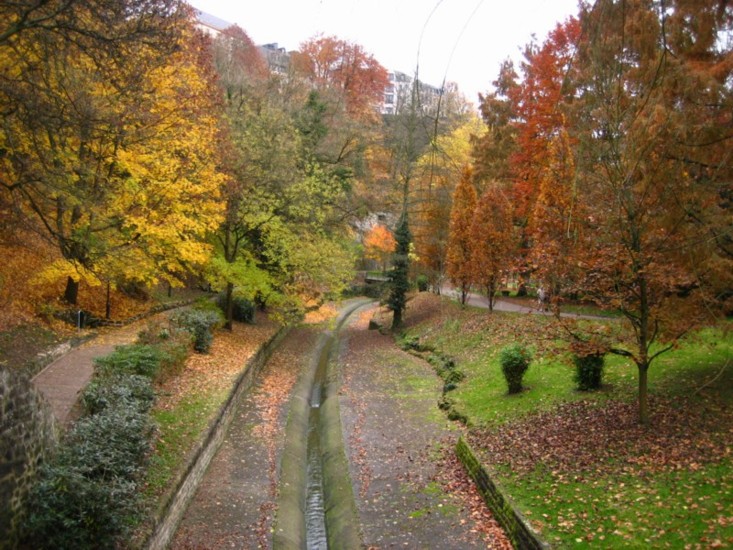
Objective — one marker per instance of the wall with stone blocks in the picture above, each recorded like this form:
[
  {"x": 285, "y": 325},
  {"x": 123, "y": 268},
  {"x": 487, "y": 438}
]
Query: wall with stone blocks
[
  {"x": 514, "y": 524},
  {"x": 27, "y": 436}
]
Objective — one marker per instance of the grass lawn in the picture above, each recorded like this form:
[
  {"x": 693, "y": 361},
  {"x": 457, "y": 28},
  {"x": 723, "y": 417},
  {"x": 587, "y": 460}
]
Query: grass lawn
[{"x": 577, "y": 464}]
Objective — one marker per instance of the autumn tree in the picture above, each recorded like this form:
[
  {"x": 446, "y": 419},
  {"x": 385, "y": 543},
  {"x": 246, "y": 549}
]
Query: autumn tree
[
  {"x": 100, "y": 128},
  {"x": 438, "y": 170},
  {"x": 492, "y": 241},
  {"x": 496, "y": 146},
  {"x": 537, "y": 105},
  {"x": 379, "y": 245},
  {"x": 282, "y": 240},
  {"x": 458, "y": 255},
  {"x": 346, "y": 70},
  {"x": 556, "y": 220},
  {"x": 648, "y": 165}
]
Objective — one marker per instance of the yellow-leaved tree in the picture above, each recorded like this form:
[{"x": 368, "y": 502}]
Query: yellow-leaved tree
[{"x": 108, "y": 151}]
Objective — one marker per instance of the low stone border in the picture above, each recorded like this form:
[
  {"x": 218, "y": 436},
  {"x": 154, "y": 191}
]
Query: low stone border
[
  {"x": 175, "y": 502},
  {"x": 147, "y": 313},
  {"x": 517, "y": 528}
]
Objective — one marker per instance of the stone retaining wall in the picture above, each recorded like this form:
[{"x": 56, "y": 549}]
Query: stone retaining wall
[
  {"x": 516, "y": 527},
  {"x": 175, "y": 502},
  {"x": 27, "y": 436}
]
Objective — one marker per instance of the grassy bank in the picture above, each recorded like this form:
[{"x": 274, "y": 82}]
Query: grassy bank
[{"x": 577, "y": 464}]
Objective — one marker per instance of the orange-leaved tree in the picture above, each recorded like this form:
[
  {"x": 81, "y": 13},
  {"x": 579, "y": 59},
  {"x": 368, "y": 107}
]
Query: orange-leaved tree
[
  {"x": 458, "y": 254},
  {"x": 379, "y": 245},
  {"x": 492, "y": 241},
  {"x": 556, "y": 220},
  {"x": 344, "y": 68},
  {"x": 648, "y": 160}
]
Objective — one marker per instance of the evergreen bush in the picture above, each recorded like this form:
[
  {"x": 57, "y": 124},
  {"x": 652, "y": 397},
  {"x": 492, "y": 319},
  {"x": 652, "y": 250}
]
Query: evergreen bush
[
  {"x": 200, "y": 324},
  {"x": 87, "y": 495},
  {"x": 588, "y": 371},
  {"x": 105, "y": 392},
  {"x": 140, "y": 359},
  {"x": 514, "y": 359}
]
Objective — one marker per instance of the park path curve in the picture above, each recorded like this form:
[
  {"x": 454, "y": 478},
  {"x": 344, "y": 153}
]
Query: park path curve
[{"x": 64, "y": 379}]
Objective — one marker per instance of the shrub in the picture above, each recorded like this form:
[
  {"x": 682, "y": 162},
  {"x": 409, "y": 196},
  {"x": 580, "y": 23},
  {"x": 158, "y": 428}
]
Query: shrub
[
  {"x": 588, "y": 371},
  {"x": 112, "y": 443},
  {"x": 69, "y": 510},
  {"x": 87, "y": 495},
  {"x": 200, "y": 324},
  {"x": 155, "y": 332},
  {"x": 174, "y": 353},
  {"x": 515, "y": 359},
  {"x": 133, "y": 389},
  {"x": 130, "y": 359},
  {"x": 243, "y": 310},
  {"x": 422, "y": 283}
]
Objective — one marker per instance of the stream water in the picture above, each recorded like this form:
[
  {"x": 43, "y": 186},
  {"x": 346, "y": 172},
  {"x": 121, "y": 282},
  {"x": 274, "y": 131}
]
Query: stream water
[{"x": 315, "y": 515}]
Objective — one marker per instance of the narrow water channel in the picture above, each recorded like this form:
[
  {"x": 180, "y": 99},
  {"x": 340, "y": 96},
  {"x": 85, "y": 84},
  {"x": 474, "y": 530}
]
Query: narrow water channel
[
  {"x": 316, "y": 501},
  {"x": 315, "y": 514}
]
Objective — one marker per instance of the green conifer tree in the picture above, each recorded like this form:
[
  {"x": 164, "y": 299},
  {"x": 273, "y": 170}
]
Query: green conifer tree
[{"x": 398, "y": 278}]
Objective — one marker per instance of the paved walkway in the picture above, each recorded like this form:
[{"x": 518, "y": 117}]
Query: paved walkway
[
  {"x": 62, "y": 381},
  {"x": 477, "y": 300}
]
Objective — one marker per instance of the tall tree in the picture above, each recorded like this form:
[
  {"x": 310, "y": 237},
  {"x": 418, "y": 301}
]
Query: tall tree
[
  {"x": 458, "y": 255},
  {"x": 556, "y": 220},
  {"x": 492, "y": 241},
  {"x": 439, "y": 168},
  {"x": 399, "y": 276},
  {"x": 96, "y": 122},
  {"x": 537, "y": 103},
  {"x": 344, "y": 68},
  {"x": 493, "y": 150},
  {"x": 648, "y": 165},
  {"x": 282, "y": 239}
]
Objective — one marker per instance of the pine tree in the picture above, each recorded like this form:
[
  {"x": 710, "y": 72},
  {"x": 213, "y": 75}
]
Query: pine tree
[{"x": 398, "y": 277}]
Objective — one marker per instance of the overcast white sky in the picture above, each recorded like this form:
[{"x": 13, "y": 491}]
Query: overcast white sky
[{"x": 463, "y": 41}]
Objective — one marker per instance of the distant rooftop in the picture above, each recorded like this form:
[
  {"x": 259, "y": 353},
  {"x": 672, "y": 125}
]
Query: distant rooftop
[{"x": 212, "y": 21}]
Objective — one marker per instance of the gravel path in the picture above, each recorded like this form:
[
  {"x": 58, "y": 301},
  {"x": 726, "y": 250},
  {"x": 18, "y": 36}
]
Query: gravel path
[{"x": 394, "y": 432}]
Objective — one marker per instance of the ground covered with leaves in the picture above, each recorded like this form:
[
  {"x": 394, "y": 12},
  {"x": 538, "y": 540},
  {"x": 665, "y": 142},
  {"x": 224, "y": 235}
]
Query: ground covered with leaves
[
  {"x": 410, "y": 490},
  {"x": 577, "y": 464}
]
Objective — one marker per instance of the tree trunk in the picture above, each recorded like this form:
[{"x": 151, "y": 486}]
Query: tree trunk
[
  {"x": 107, "y": 305},
  {"x": 396, "y": 319},
  {"x": 643, "y": 395},
  {"x": 229, "y": 307},
  {"x": 72, "y": 291}
]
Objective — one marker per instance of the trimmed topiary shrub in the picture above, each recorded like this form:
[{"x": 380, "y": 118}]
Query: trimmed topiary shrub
[
  {"x": 514, "y": 359},
  {"x": 130, "y": 359},
  {"x": 588, "y": 371}
]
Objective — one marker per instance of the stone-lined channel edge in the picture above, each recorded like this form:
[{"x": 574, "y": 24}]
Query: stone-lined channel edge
[
  {"x": 522, "y": 535},
  {"x": 173, "y": 506}
]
